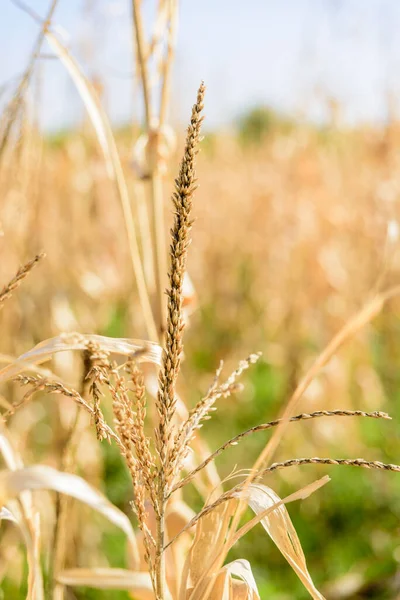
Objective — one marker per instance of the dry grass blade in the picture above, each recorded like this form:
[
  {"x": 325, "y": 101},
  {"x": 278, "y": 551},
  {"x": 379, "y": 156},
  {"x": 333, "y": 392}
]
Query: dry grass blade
[
  {"x": 238, "y": 492},
  {"x": 172, "y": 7},
  {"x": 208, "y": 542},
  {"x": 16, "y": 281},
  {"x": 27, "y": 366},
  {"x": 141, "y": 53},
  {"x": 35, "y": 580},
  {"x": 242, "y": 487}
]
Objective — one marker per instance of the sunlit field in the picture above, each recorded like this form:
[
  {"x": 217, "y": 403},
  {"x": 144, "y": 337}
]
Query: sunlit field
[{"x": 167, "y": 290}]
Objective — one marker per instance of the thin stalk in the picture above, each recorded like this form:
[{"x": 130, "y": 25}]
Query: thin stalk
[
  {"x": 145, "y": 236},
  {"x": 156, "y": 189},
  {"x": 141, "y": 54},
  {"x": 156, "y": 180},
  {"x": 160, "y": 547},
  {"x": 168, "y": 61},
  {"x": 135, "y": 254},
  {"x": 16, "y": 101}
]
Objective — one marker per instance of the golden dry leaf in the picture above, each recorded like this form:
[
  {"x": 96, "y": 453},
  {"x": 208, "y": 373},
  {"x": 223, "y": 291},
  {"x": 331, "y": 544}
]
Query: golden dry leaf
[
  {"x": 25, "y": 517},
  {"x": 209, "y": 541},
  {"x": 145, "y": 351},
  {"x": 247, "y": 588},
  {"x": 139, "y": 583},
  {"x": 89, "y": 97},
  {"x": 280, "y": 528},
  {"x": 222, "y": 589},
  {"x": 39, "y": 477}
]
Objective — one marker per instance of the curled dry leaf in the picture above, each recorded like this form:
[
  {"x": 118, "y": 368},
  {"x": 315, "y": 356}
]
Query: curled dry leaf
[
  {"x": 139, "y": 583},
  {"x": 207, "y": 546},
  {"x": 22, "y": 513},
  {"x": 227, "y": 587},
  {"x": 280, "y": 528},
  {"x": 222, "y": 589},
  {"x": 89, "y": 96},
  {"x": 241, "y": 568},
  {"x": 143, "y": 350},
  {"x": 38, "y": 477},
  {"x": 6, "y": 515}
]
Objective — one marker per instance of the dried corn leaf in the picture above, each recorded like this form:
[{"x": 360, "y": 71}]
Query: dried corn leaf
[
  {"x": 145, "y": 351},
  {"x": 208, "y": 544},
  {"x": 6, "y": 515},
  {"x": 281, "y": 530},
  {"x": 178, "y": 516},
  {"x": 89, "y": 96},
  {"x": 27, "y": 366},
  {"x": 300, "y": 494},
  {"x": 24, "y": 516},
  {"x": 139, "y": 582},
  {"x": 39, "y": 477},
  {"x": 222, "y": 589},
  {"x": 209, "y": 538},
  {"x": 248, "y": 587}
]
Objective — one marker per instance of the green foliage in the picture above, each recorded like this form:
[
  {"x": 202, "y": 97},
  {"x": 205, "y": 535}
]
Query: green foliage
[{"x": 254, "y": 126}]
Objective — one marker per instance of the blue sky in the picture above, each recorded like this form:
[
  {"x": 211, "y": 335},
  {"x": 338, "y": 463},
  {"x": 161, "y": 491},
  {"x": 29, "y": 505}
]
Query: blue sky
[{"x": 291, "y": 54}]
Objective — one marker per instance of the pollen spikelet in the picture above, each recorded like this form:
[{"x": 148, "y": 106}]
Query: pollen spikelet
[
  {"x": 184, "y": 189},
  {"x": 16, "y": 281}
]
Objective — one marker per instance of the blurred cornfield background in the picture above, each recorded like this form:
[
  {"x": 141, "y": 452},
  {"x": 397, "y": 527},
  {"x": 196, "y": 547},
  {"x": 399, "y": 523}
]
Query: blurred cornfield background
[{"x": 297, "y": 226}]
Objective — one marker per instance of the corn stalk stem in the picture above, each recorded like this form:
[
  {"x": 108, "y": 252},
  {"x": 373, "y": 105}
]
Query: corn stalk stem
[
  {"x": 167, "y": 67},
  {"x": 160, "y": 541},
  {"x": 156, "y": 192},
  {"x": 141, "y": 55},
  {"x": 16, "y": 102}
]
